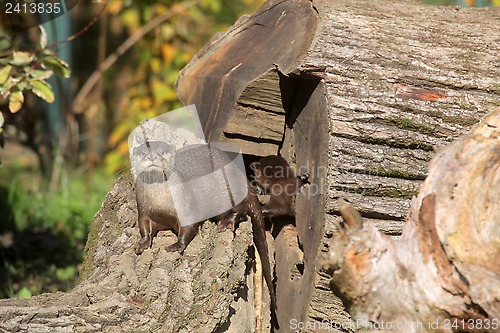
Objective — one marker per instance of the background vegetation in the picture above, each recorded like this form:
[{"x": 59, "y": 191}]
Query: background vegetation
[
  {"x": 64, "y": 136},
  {"x": 60, "y": 159}
]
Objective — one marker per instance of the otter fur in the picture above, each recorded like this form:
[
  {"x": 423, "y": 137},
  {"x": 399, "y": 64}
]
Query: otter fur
[{"x": 277, "y": 178}]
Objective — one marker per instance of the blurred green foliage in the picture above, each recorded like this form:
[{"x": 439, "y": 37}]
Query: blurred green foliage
[{"x": 47, "y": 229}]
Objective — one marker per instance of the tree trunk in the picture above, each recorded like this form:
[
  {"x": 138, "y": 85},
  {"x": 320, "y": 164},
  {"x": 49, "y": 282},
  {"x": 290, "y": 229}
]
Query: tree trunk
[
  {"x": 440, "y": 275},
  {"x": 358, "y": 95}
]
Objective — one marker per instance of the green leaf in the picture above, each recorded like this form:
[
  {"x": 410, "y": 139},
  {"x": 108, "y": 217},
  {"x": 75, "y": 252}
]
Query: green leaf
[
  {"x": 162, "y": 92},
  {"x": 6, "y": 86},
  {"x": 58, "y": 66},
  {"x": 4, "y": 73},
  {"x": 21, "y": 58},
  {"x": 39, "y": 74},
  {"x": 212, "y": 5},
  {"x": 16, "y": 101},
  {"x": 63, "y": 274},
  {"x": 21, "y": 85},
  {"x": 43, "y": 90},
  {"x": 24, "y": 293}
]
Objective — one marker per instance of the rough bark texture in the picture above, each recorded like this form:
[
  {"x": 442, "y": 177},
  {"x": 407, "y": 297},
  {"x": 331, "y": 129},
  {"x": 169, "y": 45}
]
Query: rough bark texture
[
  {"x": 441, "y": 275},
  {"x": 358, "y": 96}
]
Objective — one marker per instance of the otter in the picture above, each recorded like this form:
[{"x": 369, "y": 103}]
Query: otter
[
  {"x": 159, "y": 162},
  {"x": 277, "y": 178}
]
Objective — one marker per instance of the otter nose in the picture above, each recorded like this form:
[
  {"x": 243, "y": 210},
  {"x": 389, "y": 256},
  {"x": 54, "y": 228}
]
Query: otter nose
[{"x": 152, "y": 158}]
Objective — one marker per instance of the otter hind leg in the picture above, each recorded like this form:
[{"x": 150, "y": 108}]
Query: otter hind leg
[
  {"x": 148, "y": 231},
  {"x": 229, "y": 220},
  {"x": 186, "y": 235}
]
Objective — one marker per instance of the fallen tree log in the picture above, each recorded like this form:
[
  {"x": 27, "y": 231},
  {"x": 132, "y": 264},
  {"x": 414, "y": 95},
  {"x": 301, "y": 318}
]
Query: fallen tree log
[
  {"x": 392, "y": 81},
  {"x": 441, "y": 274},
  {"x": 357, "y": 95}
]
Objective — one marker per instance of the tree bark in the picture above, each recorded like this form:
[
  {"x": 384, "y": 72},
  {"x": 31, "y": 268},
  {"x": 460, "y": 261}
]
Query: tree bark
[
  {"x": 440, "y": 275},
  {"x": 358, "y": 95}
]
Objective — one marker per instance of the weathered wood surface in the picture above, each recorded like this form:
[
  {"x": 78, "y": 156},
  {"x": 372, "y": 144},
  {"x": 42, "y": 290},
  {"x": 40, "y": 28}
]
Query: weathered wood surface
[
  {"x": 399, "y": 81},
  {"x": 258, "y": 116},
  {"x": 441, "y": 274}
]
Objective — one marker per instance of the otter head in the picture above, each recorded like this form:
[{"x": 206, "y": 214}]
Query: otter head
[
  {"x": 153, "y": 161},
  {"x": 271, "y": 170}
]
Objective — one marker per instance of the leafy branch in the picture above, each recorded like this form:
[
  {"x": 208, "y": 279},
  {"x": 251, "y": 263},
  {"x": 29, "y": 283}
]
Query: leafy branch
[{"x": 23, "y": 71}]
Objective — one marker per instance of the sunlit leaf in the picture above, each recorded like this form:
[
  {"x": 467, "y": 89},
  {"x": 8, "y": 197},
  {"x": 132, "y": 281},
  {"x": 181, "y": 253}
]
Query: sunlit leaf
[
  {"x": 58, "y": 66},
  {"x": 162, "y": 92},
  {"x": 43, "y": 90},
  {"x": 155, "y": 65},
  {"x": 161, "y": 9},
  {"x": 6, "y": 86},
  {"x": 43, "y": 37},
  {"x": 21, "y": 85},
  {"x": 39, "y": 74},
  {"x": 131, "y": 18},
  {"x": 4, "y": 73},
  {"x": 167, "y": 31},
  {"x": 123, "y": 148},
  {"x": 212, "y": 5},
  {"x": 20, "y": 58},
  {"x": 144, "y": 102},
  {"x": 168, "y": 51},
  {"x": 16, "y": 101},
  {"x": 63, "y": 274},
  {"x": 1, "y": 119},
  {"x": 171, "y": 76},
  {"x": 120, "y": 131},
  {"x": 113, "y": 161},
  {"x": 24, "y": 293},
  {"x": 115, "y": 6},
  {"x": 147, "y": 13},
  {"x": 48, "y": 53}
]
